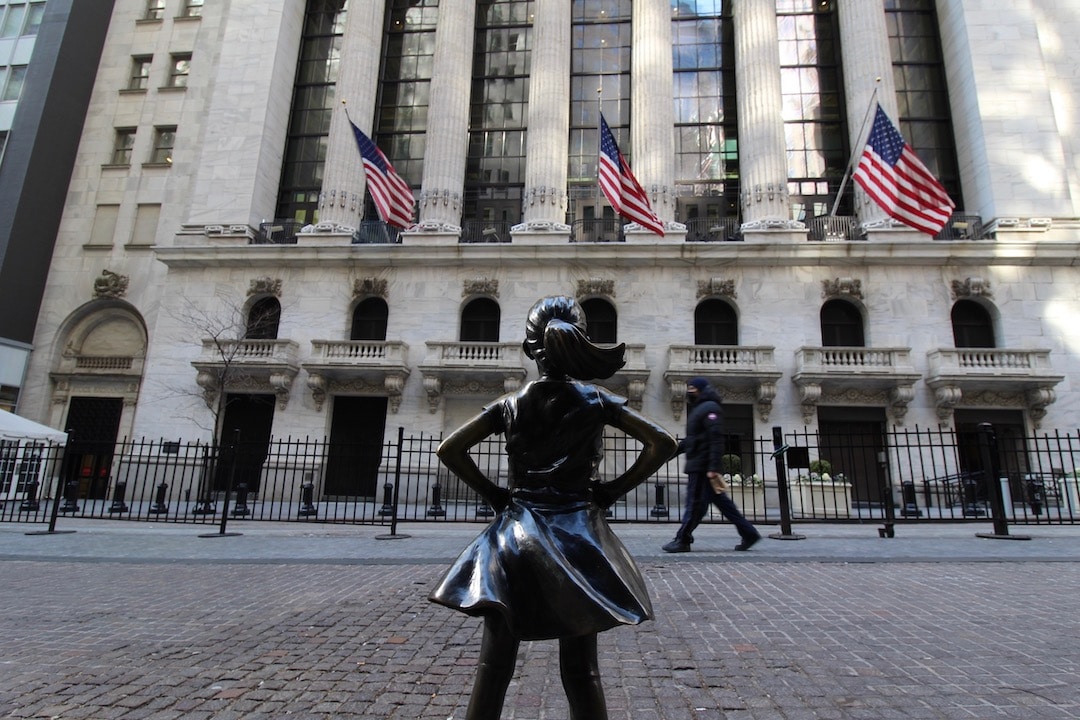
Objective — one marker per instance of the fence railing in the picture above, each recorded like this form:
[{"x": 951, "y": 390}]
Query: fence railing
[{"x": 902, "y": 475}]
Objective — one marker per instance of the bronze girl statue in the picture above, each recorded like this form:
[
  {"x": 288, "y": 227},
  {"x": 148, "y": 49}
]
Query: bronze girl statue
[{"x": 549, "y": 566}]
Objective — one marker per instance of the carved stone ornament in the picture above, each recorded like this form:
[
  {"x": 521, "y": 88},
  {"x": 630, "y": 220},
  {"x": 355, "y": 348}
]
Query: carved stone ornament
[
  {"x": 265, "y": 286},
  {"x": 595, "y": 286},
  {"x": 370, "y": 287},
  {"x": 716, "y": 286},
  {"x": 971, "y": 287},
  {"x": 480, "y": 286},
  {"x": 110, "y": 285},
  {"x": 842, "y": 287}
]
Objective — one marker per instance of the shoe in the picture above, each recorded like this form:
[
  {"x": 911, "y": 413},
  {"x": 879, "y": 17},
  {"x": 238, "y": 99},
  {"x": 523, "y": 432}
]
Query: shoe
[
  {"x": 676, "y": 546},
  {"x": 747, "y": 543}
]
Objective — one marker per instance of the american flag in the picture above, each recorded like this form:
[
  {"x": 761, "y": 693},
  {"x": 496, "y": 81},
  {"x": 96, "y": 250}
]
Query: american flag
[
  {"x": 621, "y": 187},
  {"x": 891, "y": 173},
  {"x": 393, "y": 197}
]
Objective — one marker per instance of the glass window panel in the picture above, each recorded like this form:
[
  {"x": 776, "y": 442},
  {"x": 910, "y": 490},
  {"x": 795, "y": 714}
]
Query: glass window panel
[{"x": 13, "y": 21}]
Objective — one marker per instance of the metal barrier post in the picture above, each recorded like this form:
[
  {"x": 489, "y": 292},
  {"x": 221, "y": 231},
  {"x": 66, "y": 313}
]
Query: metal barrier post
[
  {"x": 988, "y": 457},
  {"x": 56, "y": 494},
  {"x": 397, "y": 484},
  {"x": 228, "y": 489},
  {"x": 779, "y": 448}
]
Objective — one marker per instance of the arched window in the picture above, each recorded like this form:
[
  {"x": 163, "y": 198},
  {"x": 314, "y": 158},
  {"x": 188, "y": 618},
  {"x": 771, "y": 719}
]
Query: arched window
[
  {"x": 601, "y": 321},
  {"x": 263, "y": 319},
  {"x": 841, "y": 325},
  {"x": 369, "y": 320},
  {"x": 480, "y": 321},
  {"x": 715, "y": 323},
  {"x": 972, "y": 325}
]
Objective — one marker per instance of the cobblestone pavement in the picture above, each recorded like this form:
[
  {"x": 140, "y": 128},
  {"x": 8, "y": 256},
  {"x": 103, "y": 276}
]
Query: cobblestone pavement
[{"x": 252, "y": 634}]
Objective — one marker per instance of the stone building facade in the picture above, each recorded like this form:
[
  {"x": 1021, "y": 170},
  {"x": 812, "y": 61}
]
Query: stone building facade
[{"x": 219, "y": 266}]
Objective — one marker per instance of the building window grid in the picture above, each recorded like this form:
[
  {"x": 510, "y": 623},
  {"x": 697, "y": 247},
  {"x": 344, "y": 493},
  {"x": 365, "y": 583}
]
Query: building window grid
[
  {"x": 495, "y": 172},
  {"x": 11, "y": 82},
  {"x": 922, "y": 95},
  {"x": 600, "y": 57},
  {"x": 706, "y": 145},
  {"x": 812, "y": 104},
  {"x": 179, "y": 70},
  {"x": 164, "y": 141},
  {"x": 122, "y": 146},
  {"x": 312, "y": 106},
  {"x": 140, "y": 72},
  {"x": 405, "y": 86},
  {"x": 155, "y": 10},
  {"x": 21, "y": 19},
  {"x": 192, "y": 9}
]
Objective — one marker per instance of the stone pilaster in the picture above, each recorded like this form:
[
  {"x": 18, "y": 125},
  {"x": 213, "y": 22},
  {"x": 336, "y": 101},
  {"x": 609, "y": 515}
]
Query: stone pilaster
[
  {"x": 652, "y": 119},
  {"x": 864, "y": 39},
  {"x": 547, "y": 142},
  {"x": 448, "y": 120},
  {"x": 341, "y": 201},
  {"x": 762, "y": 148}
]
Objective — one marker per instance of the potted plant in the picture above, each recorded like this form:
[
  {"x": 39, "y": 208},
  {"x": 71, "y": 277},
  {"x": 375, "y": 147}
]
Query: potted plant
[
  {"x": 748, "y": 491},
  {"x": 821, "y": 494}
]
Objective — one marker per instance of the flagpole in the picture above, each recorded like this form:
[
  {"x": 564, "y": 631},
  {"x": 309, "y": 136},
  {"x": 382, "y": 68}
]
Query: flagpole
[
  {"x": 857, "y": 150},
  {"x": 599, "y": 134}
]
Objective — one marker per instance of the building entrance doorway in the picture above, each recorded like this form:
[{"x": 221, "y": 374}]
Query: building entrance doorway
[
  {"x": 853, "y": 441},
  {"x": 92, "y": 425},
  {"x": 356, "y": 443},
  {"x": 246, "y": 425}
]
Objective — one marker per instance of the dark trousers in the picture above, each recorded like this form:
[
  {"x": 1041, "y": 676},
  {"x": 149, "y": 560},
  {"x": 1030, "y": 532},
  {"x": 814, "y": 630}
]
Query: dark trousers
[{"x": 699, "y": 493}]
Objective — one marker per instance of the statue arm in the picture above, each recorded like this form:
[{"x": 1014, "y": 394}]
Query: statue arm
[
  {"x": 454, "y": 454},
  {"x": 659, "y": 447}
]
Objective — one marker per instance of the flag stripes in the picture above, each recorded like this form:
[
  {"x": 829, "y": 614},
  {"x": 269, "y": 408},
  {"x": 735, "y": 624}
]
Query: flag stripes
[
  {"x": 893, "y": 176},
  {"x": 392, "y": 195},
  {"x": 620, "y": 186}
]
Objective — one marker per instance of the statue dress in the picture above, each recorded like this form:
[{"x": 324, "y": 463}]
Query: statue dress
[{"x": 549, "y": 564}]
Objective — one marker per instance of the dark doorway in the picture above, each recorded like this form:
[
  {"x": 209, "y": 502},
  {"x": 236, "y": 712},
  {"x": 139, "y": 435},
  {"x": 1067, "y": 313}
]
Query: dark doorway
[
  {"x": 245, "y": 440},
  {"x": 92, "y": 424},
  {"x": 853, "y": 440},
  {"x": 739, "y": 435},
  {"x": 356, "y": 443}
]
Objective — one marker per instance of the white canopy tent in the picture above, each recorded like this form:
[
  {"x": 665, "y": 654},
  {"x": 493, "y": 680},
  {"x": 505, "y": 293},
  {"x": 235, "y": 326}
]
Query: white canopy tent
[
  {"x": 27, "y": 450},
  {"x": 15, "y": 427}
]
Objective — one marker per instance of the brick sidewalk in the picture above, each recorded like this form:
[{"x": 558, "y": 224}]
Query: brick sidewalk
[{"x": 738, "y": 640}]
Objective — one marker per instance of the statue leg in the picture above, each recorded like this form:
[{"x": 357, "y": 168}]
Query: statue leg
[
  {"x": 498, "y": 655},
  {"x": 581, "y": 677}
]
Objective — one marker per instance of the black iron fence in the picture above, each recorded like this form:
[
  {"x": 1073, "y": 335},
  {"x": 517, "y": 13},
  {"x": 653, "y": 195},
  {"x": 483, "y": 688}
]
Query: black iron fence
[{"x": 903, "y": 475}]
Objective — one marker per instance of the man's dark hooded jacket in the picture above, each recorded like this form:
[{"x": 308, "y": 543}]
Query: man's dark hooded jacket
[{"x": 704, "y": 441}]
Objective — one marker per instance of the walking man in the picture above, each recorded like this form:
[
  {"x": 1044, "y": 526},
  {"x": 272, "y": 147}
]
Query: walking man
[{"x": 703, "y": 446}]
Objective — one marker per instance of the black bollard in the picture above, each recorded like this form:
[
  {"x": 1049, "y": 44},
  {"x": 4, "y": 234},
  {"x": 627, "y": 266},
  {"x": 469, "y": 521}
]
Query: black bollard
[
  {"x": 778, "y": 456},
  {"x": 307, "y": 494},
  {"x": 30, "y": 502},
  {"x": 971, "y": 487},
  {"x": 241, "y": 509},
  {"x": 911, "y": 507},
  {"x": 388, "y": 500},
  {"x": 436, "y": 509},
  {"x": 159, "y": 507},
  {"x": 660, "y": 509},
  {"x": 71, "y": 495},
  {"x": 118, "y": 504}
]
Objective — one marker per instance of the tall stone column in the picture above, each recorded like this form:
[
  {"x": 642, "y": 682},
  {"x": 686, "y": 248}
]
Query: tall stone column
[
  {"x": 341, "y": 201},
  {"x": 547, "y": 142},
  {"x": 762, "y": 148},
  {"x": 447, "y": 139},
  {"x": 652, "y": 118},
  {"x": 864, "y": 42}
]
